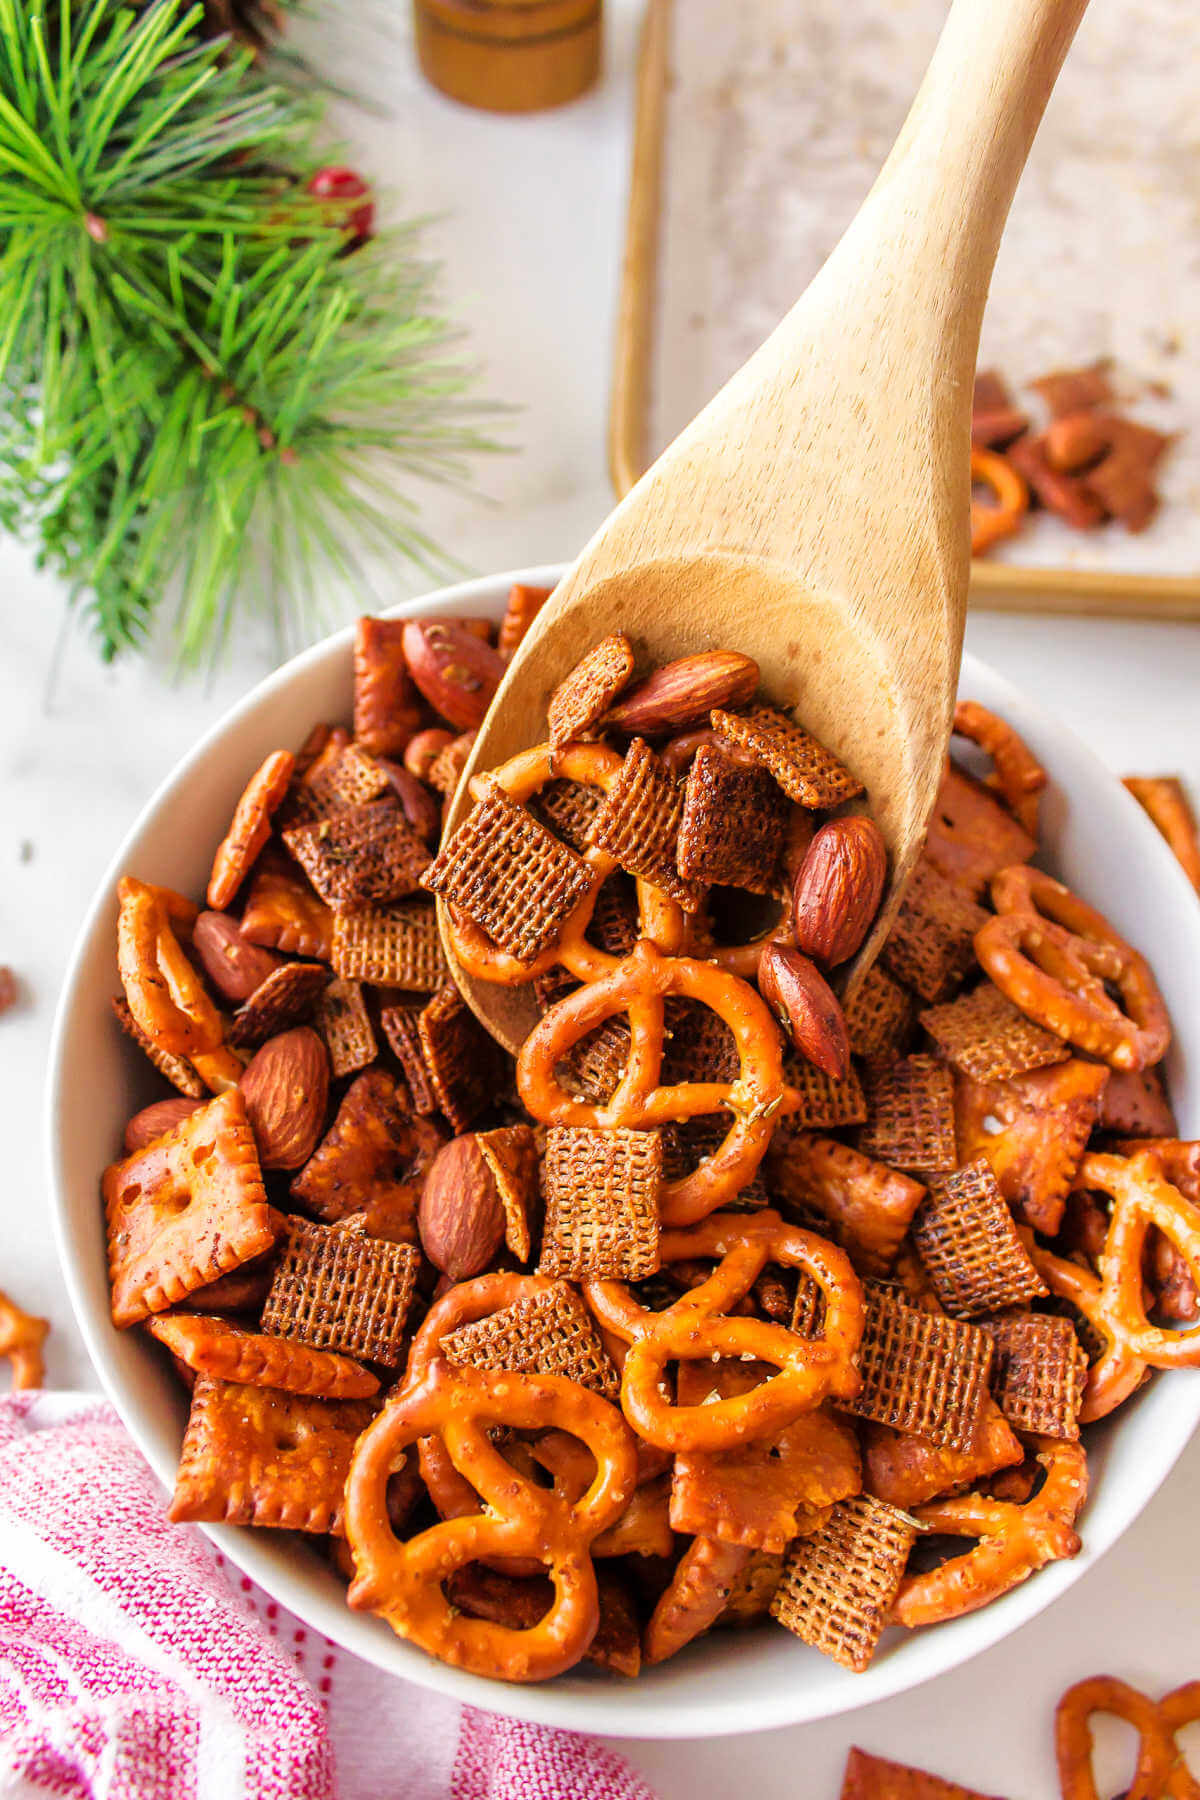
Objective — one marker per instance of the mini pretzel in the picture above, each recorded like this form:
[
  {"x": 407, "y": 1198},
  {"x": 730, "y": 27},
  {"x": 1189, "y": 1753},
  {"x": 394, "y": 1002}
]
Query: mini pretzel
[
  {"x": 1012, "y": 1540},
  {"x": 638, "y": 987},
  {"x": 991, "y": 523},
  {"x": 165, "y": 993},
  {"x": 698, "y": 1325},
  {"x": 1117, "y": 1373},
  {"x": 1017, "y": 774},
  {"x": 1162, "y": 1772},
  {"x": 1052, "y": 955},
  {"x": 250, "y": 828},
  {"x": 403, "y": 1581},
  {"x": 596, "y": 766},
  {"x": 21, "y": 1340}
]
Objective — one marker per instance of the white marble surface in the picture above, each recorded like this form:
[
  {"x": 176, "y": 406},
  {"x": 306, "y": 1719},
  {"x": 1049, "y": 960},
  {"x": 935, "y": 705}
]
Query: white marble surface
[{"x": 531, "y": 216}]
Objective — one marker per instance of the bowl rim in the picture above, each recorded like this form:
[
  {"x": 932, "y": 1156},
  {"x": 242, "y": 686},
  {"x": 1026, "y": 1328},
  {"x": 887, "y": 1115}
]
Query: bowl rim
[{"x": 598, "y": 1708}]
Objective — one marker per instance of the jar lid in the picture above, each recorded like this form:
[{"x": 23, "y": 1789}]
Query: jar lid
[{"x": 512, "y": 56}]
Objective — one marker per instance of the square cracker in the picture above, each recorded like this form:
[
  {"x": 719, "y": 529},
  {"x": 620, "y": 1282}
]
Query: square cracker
[{"x": 838, "y": 1584}]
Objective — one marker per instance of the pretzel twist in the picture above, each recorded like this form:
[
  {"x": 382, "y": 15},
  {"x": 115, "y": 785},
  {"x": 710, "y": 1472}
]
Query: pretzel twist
[
  {"x": 1012, "y": 1541},
  {"x": 991, "y": 523},
  {"x": 697, "y": 1326},
  {"x": 1052, "y": 954},
  {"x": 1017, "y": 775},
  {"x": 165, "y": 993},
  {"x": 1162, "y": 1772},
  {"x": 21, "y": 1340},
  {"x": 403, "y": 1581}
]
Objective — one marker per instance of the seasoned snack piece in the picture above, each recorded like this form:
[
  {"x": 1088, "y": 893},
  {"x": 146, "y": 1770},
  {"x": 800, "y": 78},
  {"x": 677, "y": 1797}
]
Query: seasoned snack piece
[
  {"x": 815, "y": 1101},
  {"x": 510, "y": 875},
  {"x": 352, "y": 778},
  {"x": 551, "y": 1333},
  {"x": 343, "y": 1021},
  {"x": 166, "y": 996},
  {"x": 765, "y": 1492},
  {"x": 806, "y": 1007},
  {"x": 1164, "y": 799},
  {"x": 401, "y": 1028},
  {"x": 1134, "y": 1104},
  {"x": 518, "y": 1603},
  {"x": 372, "y": 1156},
  {"x": 391, "y": 946},
  {"x": 921, "y": 1372},
  {"x": 589, "y": 690},
  {"x": 282, "y": 911},
  {"x": 696, "y": 1597},
  {"x": 731, "y": 832},
  {"x": 867, "y": 1205},
  {"x": 511, "y": 1154},
  {"x": 524, "y": 605},
  {"x": 155, "y": 1120},
  {"x": 1045, "y": 1119},
  {"x": 404, "y": 1581},
  {"x": 21, "y": 1340},
  {"x": 879, "y": 1016},
  {"x": 259, "y": 1456},
  {"x": 808, "y": 773},
  {"x": 1038, "y": 1373},
  {"x": 189, "y": 1207},
  {"x": 232, "y": 963},
  {"x": 906, "y": 1471},
  {"x": 569, "y": 809},
  {"x": 965, "y": 1236},
  {"x": 990, "y": 523},
  {"x": 180, "y": 1073},
  {"x": 339, "y": 1291},
  {"x": 601, "y": 1190},
  {"x": 931, "y": 944},
  {"x": 366, "y": 855},
  {"x": 1177, "y": 1294},
  {"x": 910, "y": 1115},
  {"x": 972, "y": 836},
  {"x": 982, "y": 1034},
  {"x": 873, "y": 1778},
  {"x": 285, "y": 998},
  {"x": 446, "y": 770},
  {"x": 387, "y": 710},
  {"x": 214, "y": 1346},
  {"x": 691, "y": 1142},
  {"x": 1162, "y": 1763},
  {"x": 593, "y": 1067},
  {"x": 838, "y": 1584},
  {"x": 250, "y": 829},
  {"x": 614, "y": 922},
  {"x": 465, "y": 1067},
  {"x": 638, "y": 824},
  {"x": 1012, "y": 1540}
]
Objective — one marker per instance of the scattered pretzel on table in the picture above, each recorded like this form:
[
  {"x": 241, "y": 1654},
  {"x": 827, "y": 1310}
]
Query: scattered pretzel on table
[
  {"x": 21, "y": 1340},
  {"x": 1162, "y": 1772}
]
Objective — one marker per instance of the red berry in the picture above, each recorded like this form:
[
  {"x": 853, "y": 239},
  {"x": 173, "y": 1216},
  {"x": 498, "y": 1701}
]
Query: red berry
[{"x": 335, "y": 183}]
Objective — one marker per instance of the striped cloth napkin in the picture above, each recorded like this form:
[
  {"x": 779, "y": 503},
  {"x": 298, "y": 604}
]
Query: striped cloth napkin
[{"x": 135, "y": 1665}]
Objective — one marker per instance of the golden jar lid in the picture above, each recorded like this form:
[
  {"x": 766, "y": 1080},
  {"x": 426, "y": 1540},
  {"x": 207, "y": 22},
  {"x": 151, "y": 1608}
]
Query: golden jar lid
[{"x": 512, "y": 56}]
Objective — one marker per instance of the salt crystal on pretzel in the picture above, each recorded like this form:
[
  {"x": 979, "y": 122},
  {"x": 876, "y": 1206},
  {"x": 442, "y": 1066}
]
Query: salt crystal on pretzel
[
  {"x": 189, "y": 1207},
  {"x": 249, "y": 829},
  {"x": 177, "y": 1070},
  {"x": 731, "y": 832},
  {"x": 601, "y": 1190},
  {"x": 982, "y": 1034},
  {"x": 352, "y": 779},
  {"x": 1038, "y": 1373},
  {"x": 585, "y": 694},
  {"x": 966, "y": 1237},
  {"x": 907, "y": 1471},
  {"x": 766, "y": 1491},
  {"x": 366, "y": 855},
  {"x": 285, "y": 998},
  {"x": 870, "y": 1777},
  {"x": 465, "y": 1066},
  {"x": 260, "y": 1456},
  {"x": 808, "y": 773},
  {"x": 593, "y": 1067},
  {"x": 614, "y": 922},
  {"x": 214, "y": 1346},
  {"x": 910, "y": 1115},
  {"x": 569, "y": 809},
  {"x": 638, "y": 824},
  {"x": 373, "y": 1155},
  {"x": 391, "y": 946},
  {"x": 338, "y": 1290},
  {"x": 838, "y": 1584},
  {"x": 551, "y": 1333},
  {"x": 345, "y": 1024},
  {"x": 865, "y": 1205},
  {"x": 387, "y": 708},
  {"x": 510, "y": 875},
  {"x": 817, "y": 1102},
  {"x": 879, "y": 1017},
  {"x": 921, "y": 1372},
  {"x": 283, "y": 913},
  {"x": 1045, "y": 1120},
  {"x": 971, "y": 836},
  {"x": 931, "y": 946}
]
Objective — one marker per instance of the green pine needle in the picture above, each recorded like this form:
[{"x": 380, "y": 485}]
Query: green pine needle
[{"x": 206, "y": 391}]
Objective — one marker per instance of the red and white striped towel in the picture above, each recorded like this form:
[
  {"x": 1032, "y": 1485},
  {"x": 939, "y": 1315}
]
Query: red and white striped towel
[{"x": 135, "y": 1665}]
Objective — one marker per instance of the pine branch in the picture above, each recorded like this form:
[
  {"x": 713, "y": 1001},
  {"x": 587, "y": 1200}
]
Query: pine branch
[{"x": 205, "y": 388}]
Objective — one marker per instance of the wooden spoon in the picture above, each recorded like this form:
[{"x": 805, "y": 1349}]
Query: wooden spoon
[{"x": 816, "y": 514}]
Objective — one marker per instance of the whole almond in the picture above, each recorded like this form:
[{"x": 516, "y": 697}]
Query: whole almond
[
  {"x": 420, "y": 805},
  {"x": 286, "y": 1088},
  {"x": 807, "y": 1008},
  {"x": 683, "y": 693},
  {"x": 461, "y": 1216},
  {"x": 455, "y": 670},
  {"x": 154, "y": 1121},
  {"x": 422, "y": 751},
  {"x": 838, "y": 888},
  {"x": 234, "y": 965}
]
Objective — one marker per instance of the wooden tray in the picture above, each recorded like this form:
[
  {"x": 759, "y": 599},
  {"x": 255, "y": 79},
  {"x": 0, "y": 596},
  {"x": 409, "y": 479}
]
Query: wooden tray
[{"x": 1058, "y": 579}]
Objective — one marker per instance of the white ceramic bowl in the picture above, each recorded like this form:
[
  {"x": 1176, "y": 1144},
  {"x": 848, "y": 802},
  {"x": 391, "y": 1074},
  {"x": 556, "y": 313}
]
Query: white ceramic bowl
[{"x": 1097, "y": 839}]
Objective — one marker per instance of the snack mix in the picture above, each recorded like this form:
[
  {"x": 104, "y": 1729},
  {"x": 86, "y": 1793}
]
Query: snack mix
[{"x": 749, "y": 1292}]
